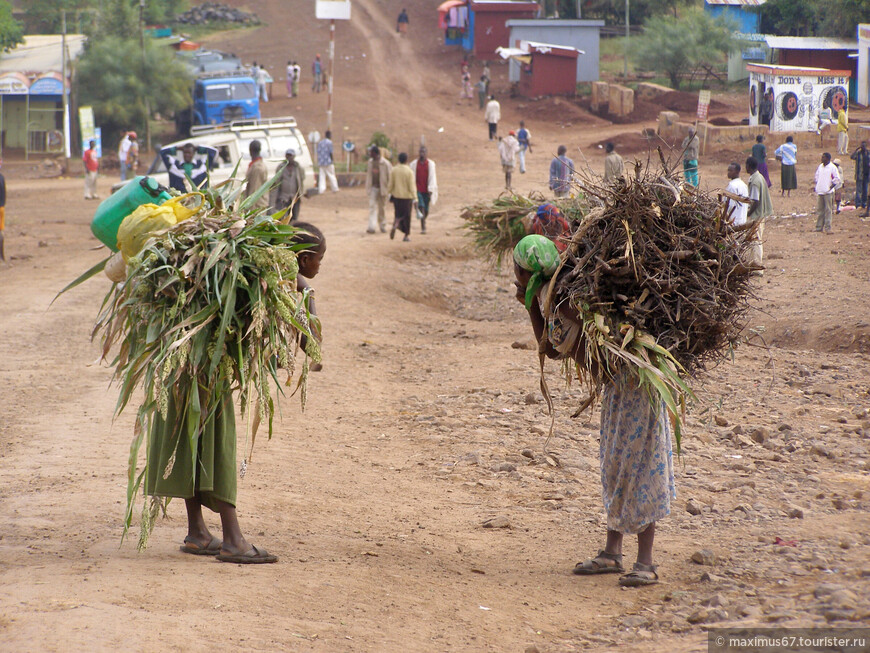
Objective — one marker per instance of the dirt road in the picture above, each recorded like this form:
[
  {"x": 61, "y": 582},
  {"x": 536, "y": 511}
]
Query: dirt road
[{"x": 424, "y": 423}]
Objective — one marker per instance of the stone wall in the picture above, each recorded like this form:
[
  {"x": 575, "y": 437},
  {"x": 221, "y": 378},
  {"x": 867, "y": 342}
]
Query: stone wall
[
  {"x": 648, "y": 91},
  {"x": 671, "y": 129},
  {"x": 600, "y": 95},
  {"x": 621, "y": 100}
]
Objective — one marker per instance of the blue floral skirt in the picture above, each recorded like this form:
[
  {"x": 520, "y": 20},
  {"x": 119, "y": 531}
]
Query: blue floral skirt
[{"x": 637, "y": 470}]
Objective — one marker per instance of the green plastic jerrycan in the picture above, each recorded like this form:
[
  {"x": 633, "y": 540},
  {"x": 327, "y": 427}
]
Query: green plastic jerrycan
[{"x": 112, "y": 211}]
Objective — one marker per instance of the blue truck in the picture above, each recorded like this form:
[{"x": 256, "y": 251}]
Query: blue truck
[{"x": 223, "y": 91}]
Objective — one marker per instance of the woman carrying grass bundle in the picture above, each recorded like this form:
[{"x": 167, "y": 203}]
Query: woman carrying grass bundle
[{"x": 635, "y": 436}]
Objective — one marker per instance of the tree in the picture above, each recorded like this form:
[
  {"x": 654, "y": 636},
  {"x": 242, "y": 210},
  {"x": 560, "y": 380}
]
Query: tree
[
  {"x": 675, "y": 46},
  {"x": 11, "y": 33},
  {"x": 44, "y": 16},
  {"x": 613, "y": 11},
  {"x": 820, "y": 18},
  {"x": 112, "y": 79}
]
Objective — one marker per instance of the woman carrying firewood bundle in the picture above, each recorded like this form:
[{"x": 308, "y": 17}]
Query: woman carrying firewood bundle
[{"x": 637, "y": 474}]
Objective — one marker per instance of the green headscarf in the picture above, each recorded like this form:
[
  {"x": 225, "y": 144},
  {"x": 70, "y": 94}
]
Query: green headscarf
[{"x": 538, "y": 255}]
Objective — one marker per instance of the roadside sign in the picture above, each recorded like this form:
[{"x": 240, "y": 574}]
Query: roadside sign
[
  {"x": 703, "y": 104},
  {"x": 333, "y": 9}
]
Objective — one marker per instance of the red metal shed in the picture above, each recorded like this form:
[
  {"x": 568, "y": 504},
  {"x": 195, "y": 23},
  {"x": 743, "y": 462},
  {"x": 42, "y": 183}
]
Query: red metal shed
[
  {"x": 545, "y": 68},
  {"x": 489, "y": 18}
]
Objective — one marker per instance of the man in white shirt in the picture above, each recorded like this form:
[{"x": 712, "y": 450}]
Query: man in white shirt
[
  {"x": 492, "y": 114},
  {"x": 826, "y": 180},
  {"x": 123, "y": 149},
  {"x": 737, "y": 187},
  {"x": 507, "y": 151}
]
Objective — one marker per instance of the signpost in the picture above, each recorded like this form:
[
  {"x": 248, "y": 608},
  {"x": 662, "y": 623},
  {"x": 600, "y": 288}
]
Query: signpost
[
  {"x": 331, "y": 10},
  {"x": 703, "y": 106}
]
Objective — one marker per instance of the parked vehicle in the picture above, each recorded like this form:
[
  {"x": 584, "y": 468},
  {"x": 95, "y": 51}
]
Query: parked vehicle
[
  {"x": 223, "y": 91},
  {"x": 232, "y": 141}
]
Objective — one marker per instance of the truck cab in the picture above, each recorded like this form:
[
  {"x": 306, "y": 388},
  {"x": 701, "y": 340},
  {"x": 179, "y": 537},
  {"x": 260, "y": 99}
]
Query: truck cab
[{"x": 223, "y": 91}]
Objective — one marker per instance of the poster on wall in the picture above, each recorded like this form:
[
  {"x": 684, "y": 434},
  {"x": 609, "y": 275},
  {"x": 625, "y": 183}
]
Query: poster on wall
[{"x": 804, "y": 99}]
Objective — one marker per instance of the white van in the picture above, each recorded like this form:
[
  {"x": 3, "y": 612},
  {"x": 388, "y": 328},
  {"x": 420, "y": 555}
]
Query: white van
[{"x": 232, "y": 141}]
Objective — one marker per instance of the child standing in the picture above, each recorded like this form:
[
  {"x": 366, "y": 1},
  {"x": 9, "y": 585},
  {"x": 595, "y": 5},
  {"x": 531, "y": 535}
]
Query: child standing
[{"x": 309, "y": 265}]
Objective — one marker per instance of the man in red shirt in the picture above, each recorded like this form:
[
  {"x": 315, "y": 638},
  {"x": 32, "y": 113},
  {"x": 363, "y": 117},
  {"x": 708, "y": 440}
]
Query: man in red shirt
[
  {"x": 427, "y": 185},
  {"x": 92, "y": 165}
]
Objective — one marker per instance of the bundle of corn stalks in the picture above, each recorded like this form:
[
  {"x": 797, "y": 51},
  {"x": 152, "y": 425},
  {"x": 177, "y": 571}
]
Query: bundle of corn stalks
[
  {"x": 211, "y": 302},
  {"x": 496, "y": 227},
  {"x": 655, "y": 272}
]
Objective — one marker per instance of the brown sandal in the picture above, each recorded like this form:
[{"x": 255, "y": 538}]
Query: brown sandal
[
  {"x": 598, "y": 565},
  {"x": 640, "y": 576}
]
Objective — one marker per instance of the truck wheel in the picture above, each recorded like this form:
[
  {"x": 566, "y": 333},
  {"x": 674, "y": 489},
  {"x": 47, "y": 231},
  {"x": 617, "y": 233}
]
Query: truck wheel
[{"x": 787, "y": 106}]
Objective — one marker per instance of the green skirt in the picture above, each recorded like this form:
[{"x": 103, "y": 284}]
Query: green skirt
[{"x": 205, "y": 458}]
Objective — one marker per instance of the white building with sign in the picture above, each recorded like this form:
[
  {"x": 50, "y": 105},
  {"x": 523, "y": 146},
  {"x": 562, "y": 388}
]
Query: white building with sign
[{"x": 802, "y": 97}]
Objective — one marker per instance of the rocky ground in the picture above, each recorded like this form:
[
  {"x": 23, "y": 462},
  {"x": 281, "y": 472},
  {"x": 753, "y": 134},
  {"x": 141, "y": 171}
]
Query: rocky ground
[{"x": 416, "y": 505}]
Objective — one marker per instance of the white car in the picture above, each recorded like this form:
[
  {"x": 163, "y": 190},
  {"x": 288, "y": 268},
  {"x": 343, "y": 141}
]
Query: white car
[{"x": 232, "y": 141}]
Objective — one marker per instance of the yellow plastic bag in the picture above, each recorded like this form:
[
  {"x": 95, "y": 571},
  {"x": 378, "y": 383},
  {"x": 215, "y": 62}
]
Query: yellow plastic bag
[{"x": 148, "y": 219}]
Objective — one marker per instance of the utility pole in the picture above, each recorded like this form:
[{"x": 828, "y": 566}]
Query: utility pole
[
  {"x": 67, "y": 153},
  {"x": 330, "y": 68},
  {"x": 145, "y": 96},
  {"x": 625, "y": 63}
]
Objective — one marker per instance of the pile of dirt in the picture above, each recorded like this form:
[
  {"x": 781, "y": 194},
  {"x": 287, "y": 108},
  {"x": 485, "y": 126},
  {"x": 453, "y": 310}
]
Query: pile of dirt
[{"x": 561, "y": 110}]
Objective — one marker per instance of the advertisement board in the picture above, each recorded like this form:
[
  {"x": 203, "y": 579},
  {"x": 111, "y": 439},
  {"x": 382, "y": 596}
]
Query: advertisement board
[{"x": 333, "y": 9}]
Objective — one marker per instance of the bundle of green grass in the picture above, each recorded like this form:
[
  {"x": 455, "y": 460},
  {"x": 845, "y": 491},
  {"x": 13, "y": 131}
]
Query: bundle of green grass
[{"x": 209, "y": 308}]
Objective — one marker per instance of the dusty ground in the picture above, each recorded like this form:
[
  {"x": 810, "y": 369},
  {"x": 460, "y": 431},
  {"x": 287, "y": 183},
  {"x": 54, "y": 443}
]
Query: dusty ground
[{"x": 425, "y": 422}]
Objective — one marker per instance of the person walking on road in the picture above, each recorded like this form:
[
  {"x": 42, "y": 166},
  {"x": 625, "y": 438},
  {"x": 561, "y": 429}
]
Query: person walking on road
[
  {"x": 760, "y": 207},
  {"x": 826, "y": 180},
  {"x": 317, "y": 74},
  {"x": 402, "y": 22},
  {"x": 377, "y": 188},
  {"x": 508, "y": 147},
  {"x": 427, "y": 185},
  {"x": 291, "y": 78},
  {"x": 492, "y": 115},
  {"x": 92, "y": 165},
  {"x": 326, "y": 164},
  {"x": 524, "y": 136},
  {"x": 287, "y": 193},
  {"x": 614, "y": 166},
  {"x": 2, "y": 212},
  {"x": 404, "y": 192},
  {"x": 861, "y": 157},
  {"x": 256, "y": 176},
  {"x": 691, "y": 147},
  {"x": 561, "y": 172},
  {"x": 481, "y": 91},
  {"x": 123, "y": 149}
]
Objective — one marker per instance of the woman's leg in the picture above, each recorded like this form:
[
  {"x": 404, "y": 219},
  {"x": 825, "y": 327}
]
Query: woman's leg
[
  {"x": 197, "y": 531},
  {"x": 234, "y": 541},
  {"x": 645, "y": 544},
  {"x": 613, "y": 544}
]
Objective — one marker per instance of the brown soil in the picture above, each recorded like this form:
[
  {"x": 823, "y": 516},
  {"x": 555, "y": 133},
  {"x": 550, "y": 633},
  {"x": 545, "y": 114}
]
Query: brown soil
[{"x": 374, "y": 498}]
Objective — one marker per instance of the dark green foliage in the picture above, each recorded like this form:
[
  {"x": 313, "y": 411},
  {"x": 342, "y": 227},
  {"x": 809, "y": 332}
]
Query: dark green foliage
[
  {"x": 675, "y": 46},
  {"x": 112, "y": 79},
  {"x": 836, "y": 18},
  {"x": 10, "y": 29}
]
